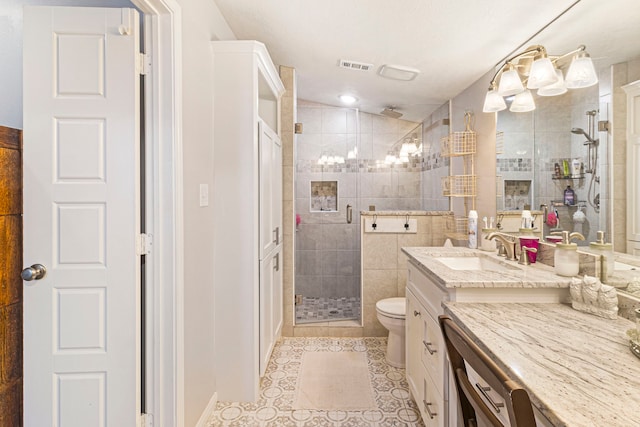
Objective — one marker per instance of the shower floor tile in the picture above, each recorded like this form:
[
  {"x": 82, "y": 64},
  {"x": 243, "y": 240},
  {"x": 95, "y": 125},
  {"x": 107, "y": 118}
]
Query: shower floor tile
[{"x": 327, "y": 309}]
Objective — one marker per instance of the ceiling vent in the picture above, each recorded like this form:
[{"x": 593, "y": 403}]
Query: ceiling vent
[
  {"x": 398, "y": 72},
  {"x": 355, "y": 65}
]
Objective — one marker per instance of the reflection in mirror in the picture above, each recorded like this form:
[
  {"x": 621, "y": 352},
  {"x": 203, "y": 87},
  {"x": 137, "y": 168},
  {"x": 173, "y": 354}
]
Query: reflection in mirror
[
  {"x": 542, "y": 159},
  {"x": 434, "y": 167},
  {"x": 542, "y": 138}
]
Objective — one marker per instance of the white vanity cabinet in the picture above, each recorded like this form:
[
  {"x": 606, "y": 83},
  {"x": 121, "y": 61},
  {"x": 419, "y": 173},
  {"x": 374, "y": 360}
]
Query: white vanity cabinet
[
  {"x": 425, "y": 351},
  {"x": 247, "y": 207},
  {"x": 429, "y": 284}
]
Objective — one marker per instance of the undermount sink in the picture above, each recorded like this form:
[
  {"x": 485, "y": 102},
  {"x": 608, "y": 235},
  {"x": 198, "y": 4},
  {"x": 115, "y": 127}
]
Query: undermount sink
[{"x": 475, "y": 263}]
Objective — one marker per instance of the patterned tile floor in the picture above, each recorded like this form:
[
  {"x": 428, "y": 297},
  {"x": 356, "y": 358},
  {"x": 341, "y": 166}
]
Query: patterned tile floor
[
  {"x": 327, "y": 309},
  {"x": 275, "y": 405}
]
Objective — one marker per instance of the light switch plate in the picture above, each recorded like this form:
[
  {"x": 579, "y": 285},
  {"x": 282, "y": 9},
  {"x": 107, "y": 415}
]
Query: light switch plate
[{"x": 204, "y": 195}]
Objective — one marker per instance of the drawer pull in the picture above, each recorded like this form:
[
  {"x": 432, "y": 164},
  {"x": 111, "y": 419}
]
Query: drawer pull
[
  {"x": 426, "y": 404},
  {"x": 416, "y": 313},
  {"x": 484, "y": 391},
  {"x": 428, "y": 345}
]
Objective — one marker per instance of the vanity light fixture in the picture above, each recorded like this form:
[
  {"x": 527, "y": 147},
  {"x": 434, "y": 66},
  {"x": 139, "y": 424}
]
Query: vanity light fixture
[{"x": 535, "y": 69}]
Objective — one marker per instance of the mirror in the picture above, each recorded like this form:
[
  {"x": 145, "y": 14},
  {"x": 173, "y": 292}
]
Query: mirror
[{"x": 535, "y": 142}]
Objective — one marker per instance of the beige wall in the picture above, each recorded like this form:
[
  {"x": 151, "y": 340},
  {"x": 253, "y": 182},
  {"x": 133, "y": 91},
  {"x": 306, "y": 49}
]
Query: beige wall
[
  {"x": 384, "y": 265},
  {"x": 484, "y": 124},
  {"x": 288, "y": 119}
]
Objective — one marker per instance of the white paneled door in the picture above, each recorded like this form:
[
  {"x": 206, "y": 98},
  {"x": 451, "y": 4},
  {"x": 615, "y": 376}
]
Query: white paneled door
[{"x": 81, "y": 216}]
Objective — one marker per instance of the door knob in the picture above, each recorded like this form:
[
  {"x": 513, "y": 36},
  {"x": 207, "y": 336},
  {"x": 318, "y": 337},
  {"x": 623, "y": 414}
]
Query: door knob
[{"x": 35, "y": 272}]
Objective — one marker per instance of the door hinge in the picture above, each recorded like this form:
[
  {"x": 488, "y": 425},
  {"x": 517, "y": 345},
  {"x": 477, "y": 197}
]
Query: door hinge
[
  {"x": 144, "y": 243},
  {"x": 146, "y": 420},
  {"x": 144, "y": 63}
]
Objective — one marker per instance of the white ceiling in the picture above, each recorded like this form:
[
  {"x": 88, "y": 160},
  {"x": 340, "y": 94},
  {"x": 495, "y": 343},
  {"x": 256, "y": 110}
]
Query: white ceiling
[{"x": 452, "y": 42}]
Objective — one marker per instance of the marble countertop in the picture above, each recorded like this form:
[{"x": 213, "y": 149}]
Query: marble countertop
[
  {"x": 533, "y": 276},
  {"x": 577, "y": 367}
]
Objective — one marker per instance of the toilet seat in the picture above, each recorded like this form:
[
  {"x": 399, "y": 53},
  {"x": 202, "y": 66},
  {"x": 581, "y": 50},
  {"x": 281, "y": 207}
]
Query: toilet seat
[{"x": 395, "y": 308}]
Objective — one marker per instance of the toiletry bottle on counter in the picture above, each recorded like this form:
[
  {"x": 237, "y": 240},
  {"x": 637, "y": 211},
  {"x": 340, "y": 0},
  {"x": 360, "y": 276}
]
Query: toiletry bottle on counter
[
  {"x": 566, "y": 259},
  {"x": 473, "y": 229},
  {"x": 569, "y": 196}
]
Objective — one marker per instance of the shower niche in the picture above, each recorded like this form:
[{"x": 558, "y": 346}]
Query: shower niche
[{"x": 324, "y": 196}]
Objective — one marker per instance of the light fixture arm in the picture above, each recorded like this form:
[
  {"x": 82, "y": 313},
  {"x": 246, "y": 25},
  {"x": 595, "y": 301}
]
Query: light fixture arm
[
  {"x": 533, "y": 49},
  {"x": 580, "y": 48}
]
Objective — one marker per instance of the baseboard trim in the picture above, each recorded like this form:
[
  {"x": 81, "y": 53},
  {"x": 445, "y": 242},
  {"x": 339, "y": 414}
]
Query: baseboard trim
[{"x": 208, "y": 411}]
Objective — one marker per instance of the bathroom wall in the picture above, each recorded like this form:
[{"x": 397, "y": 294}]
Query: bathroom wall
[
  {"x": 327, "y": 247},
  {"x": 434, "y": 167},
  {"x": 384, "y": 265},
  {"x": 288, "y": 117}
]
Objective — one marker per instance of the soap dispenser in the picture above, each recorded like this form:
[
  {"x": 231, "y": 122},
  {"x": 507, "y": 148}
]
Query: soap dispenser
[
  {"x": 566, "y": 259},
  {"x": 606, "y": 250}
]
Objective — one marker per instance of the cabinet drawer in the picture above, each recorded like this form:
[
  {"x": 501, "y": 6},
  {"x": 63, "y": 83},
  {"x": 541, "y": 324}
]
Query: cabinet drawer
[
  {"x": 433, "y": 349},
  {"x": 493, "y": 399},
  {"x": 432, "y": 405},
  {"x": 429, "y": 294}
]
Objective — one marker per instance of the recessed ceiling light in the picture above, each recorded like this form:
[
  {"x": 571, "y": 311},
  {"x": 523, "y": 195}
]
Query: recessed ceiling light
[{"x": 348, "y": 99}]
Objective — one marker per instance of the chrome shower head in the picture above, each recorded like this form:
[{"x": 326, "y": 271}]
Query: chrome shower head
[
  {"x": 580, "y": 131},
  {"x": 391, "y": 112}
]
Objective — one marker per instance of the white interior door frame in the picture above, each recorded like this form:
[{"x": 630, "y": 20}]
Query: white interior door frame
[{"x": 163, "y": 127}]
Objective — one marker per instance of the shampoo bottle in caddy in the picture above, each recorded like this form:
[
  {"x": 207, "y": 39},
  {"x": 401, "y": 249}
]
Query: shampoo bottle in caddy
[{"x": 473, "y": 229}]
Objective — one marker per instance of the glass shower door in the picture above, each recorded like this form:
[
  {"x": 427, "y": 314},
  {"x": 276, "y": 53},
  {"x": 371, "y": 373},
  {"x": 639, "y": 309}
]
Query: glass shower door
[{"x": 327, "y": 278}]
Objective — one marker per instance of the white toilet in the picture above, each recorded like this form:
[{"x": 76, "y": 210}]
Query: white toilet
[{"x": 391, "y": 313}]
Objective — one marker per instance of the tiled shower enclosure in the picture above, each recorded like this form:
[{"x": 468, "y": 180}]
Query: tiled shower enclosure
[{"x": 340, "y": 164}]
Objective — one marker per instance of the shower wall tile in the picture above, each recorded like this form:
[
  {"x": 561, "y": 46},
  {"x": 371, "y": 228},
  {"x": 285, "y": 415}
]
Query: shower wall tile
[
  {"x": 311, "y": 118},
  {"x": 308, "y": 263},
  {"x": 334, "y": 120},
  {"x": 383, "y": 124},
  {"x": 334, "y": 143},
  {"x": 310, "y": 286},
  {"x": 381, "y": 144},
  {"x": 366, "y": 123},
  {"x": 349, "y": 285},
  {"x": 352, "y": 121},
  {"x": 309, "y": 237},
  {"x": 345, "y": 263},
  {"x": 329, "y": 263},
  {"x": 308, "y": 146},
  {"x": 330, "y": 285}
]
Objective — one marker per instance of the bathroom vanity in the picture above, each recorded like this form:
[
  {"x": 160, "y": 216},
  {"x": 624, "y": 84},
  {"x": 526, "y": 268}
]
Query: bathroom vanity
[
  {"x": 570, "y": 362},
  {"x": 436, "y": 275}
]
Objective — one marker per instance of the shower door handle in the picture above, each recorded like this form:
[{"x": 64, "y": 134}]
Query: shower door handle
[{"x": 349, "y": 214}]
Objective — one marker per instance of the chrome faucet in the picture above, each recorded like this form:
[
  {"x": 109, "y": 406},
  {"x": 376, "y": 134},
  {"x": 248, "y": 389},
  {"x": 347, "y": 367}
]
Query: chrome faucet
[{"x": 509, "y": 243}]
